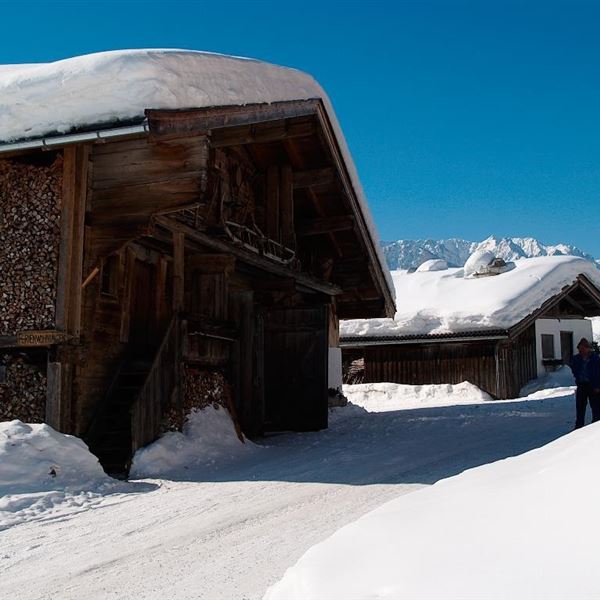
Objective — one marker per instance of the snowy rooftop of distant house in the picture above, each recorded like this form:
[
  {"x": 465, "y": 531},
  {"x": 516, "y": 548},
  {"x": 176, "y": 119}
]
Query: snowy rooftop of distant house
[
  {"x": 434, "y": 301},
  {"x": 108, "y": 88}
]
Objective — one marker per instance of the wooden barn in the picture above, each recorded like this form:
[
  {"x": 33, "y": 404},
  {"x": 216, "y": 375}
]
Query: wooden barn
[
  {"x": 497, "y": 332},
  {"x": 188, "y": 256}
]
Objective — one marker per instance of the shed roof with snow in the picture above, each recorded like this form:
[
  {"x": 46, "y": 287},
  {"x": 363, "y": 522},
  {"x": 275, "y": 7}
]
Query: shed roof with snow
[{"x": 445, "y": 303}]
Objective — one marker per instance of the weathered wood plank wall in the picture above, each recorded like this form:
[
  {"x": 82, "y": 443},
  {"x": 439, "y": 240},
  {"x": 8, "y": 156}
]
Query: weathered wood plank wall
[{"x": 418, "y": 364}]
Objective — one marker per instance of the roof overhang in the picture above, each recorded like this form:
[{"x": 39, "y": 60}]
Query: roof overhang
[
  {"x": 440, "y": 338},
  {"x": 582, "y": 296}
]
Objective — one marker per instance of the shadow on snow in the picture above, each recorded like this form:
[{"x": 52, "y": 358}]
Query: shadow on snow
[{"x": 398, "y": 447}]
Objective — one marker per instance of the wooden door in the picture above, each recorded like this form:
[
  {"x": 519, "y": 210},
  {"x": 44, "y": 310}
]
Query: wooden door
[
  {"x": 295, "y": 369},
  {"x": 566, "y": 346},
  {"x": 143, "y": 316}
]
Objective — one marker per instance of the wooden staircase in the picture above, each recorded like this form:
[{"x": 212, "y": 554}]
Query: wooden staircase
[
  {"x": 131, "y": 414},
  {"x": 111, "y": 435}
]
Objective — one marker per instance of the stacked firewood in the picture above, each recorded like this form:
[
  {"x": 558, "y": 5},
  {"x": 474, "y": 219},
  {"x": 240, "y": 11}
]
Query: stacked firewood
[
  {"x": 22, "y": 392},
  {"x": 201, "y": 388},
  {"x": 30, "y": 232},
  {"x": 354, "y": 372}
]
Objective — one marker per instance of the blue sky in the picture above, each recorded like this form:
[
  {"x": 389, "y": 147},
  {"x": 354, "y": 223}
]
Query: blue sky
[{"x": 465, "y": 119}]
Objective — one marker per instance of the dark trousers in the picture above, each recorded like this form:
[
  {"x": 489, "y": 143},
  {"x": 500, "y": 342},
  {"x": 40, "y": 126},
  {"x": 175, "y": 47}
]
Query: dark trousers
[{"x": 585, "y": 394}]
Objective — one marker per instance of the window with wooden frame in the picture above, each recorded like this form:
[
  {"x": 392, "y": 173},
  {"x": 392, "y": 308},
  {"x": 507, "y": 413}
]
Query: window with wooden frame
[
  {"x": 547, "y": 345},
  {"x": 109, "y": 276}
]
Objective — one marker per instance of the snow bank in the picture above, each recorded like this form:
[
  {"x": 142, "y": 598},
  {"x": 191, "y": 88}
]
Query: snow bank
[
  {"x": 561, "y": 379},
  {"x": 519, "y": 528},
  {"x": 37, "y": 458},
  {"x": 382, "y": 397},
  {"x": 208, "y": 440},
  {"x": 446, "y": 302}
]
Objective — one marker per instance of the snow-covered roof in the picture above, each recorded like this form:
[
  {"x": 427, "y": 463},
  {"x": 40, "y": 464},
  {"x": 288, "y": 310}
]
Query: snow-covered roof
[
  {"x": 445, "y": 302},
  {"x": 108, "y": 87},
  {"x": 117, "y": 86}
]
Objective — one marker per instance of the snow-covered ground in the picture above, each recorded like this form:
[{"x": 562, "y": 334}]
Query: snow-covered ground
[
  {"x": 224, "y": 529},
  {"x": 520, "y": 528}
]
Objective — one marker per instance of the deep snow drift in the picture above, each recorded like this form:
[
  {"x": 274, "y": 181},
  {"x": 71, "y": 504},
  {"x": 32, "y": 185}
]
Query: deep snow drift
[
  {"x": 447, "y": 302},
  {"x": 36, "y": 458},
  {"x": 382, "y": 397},
  {"x": 41, "y": 468},
  {"x": 523, "y": 527},
  {"x": 208, "y": 439}
]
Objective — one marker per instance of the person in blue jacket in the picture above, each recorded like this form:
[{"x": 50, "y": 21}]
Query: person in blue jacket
[{"x": 586, "y": 370}]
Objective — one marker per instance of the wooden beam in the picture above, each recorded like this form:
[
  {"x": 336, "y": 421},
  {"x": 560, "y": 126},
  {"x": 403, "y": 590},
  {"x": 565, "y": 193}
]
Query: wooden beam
[
  {"x": 313, "y": 177},
  {"x": 359, "y": 310},
  {"x": 160, "y": 291},
  {"x": 350, "y": 265},
  {"x": 273, "y": 131},
  {"x": 178, "y": 269},
  {"x": 325, "y": 225},
  {"x": 177, "y": 123},
  {"x": 337, "y": 250},
  {"x": 286, "y": 207},
  {"x": 127, "y": 295},
  {"x": 70, "y": 268},
  {"x": 272, "y": 203},
  {"x": 90, "y": 277},
  {"x": 247, "y": 256},
  {"x": 575, "y": 304},
  {"x": 59, "y": 389},
  {"x": 362, "y": 227}
]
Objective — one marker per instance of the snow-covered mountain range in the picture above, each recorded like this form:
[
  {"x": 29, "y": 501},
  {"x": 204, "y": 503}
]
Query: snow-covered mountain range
[{"x": 407, "y": 254}]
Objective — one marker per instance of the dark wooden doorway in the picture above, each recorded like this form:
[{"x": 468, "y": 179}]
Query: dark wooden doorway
[
  {"x": 566, "y": 346},
  {"x": 143, "y": 327},
  {"x": 295, "y": 369}
]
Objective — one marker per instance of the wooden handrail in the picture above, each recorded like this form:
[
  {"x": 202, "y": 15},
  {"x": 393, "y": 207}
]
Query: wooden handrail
[{"x": 161, "y": 385}]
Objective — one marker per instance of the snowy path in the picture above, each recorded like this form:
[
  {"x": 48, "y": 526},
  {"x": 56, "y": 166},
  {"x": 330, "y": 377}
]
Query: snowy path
[{"x": 234, "y": 534}]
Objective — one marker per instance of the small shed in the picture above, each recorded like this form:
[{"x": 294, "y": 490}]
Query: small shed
[
  {"x": 178, "y": 228},
  {"x": 497, "y": 328}
]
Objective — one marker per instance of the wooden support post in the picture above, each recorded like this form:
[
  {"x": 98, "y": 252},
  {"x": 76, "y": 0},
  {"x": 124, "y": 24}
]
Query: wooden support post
[
  {"x": 286, "y": 208},
  {"x": 59, "y": 394},
  {"x": 178, "y": 270},
  {"x": 70, "y": 267},
  {"x": 272, "y": 203},
  {"x": 68, "y": 292}
]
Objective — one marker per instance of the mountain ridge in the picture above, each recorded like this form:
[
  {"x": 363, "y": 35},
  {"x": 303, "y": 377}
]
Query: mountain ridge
[{"x": 409, "y": 254}]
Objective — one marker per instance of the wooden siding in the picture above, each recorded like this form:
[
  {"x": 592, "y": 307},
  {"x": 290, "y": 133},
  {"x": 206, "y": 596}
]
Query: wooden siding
[
  {"x": 517, "y": 363},
  {"x": 500, "y": 368},
  {"x": 433, "y": 363}
]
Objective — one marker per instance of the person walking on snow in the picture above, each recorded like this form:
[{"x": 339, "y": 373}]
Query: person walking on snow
[{"x": 586, "y": 370}]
